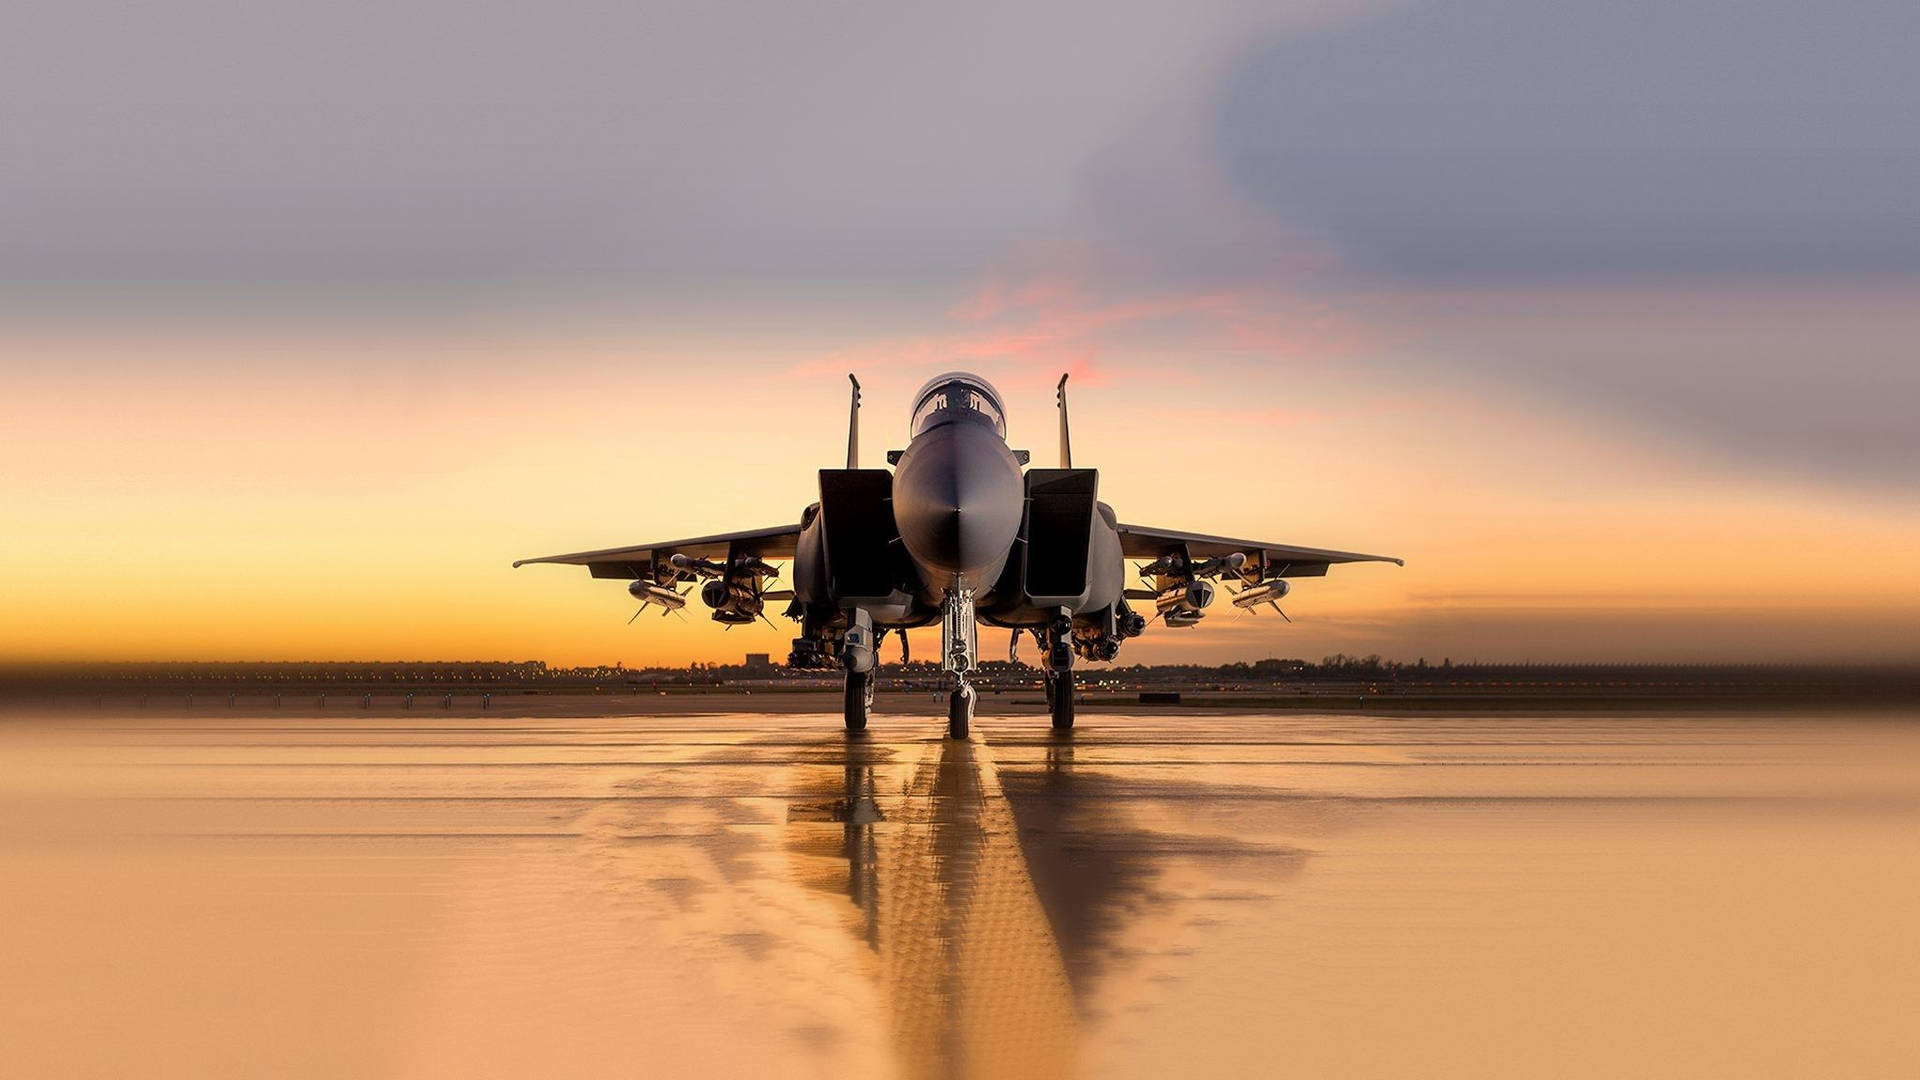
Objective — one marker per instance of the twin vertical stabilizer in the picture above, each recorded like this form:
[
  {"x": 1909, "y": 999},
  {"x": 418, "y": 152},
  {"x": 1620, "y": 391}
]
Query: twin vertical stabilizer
[
  {"x": 853, "y": 425},
  {"x": 1066, "y": 447}
]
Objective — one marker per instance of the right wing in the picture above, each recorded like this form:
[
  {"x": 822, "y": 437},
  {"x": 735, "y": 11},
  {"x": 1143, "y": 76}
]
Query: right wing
[
  {"x": 1137, "y": 542},
  {"x": 644, "y": 560}
]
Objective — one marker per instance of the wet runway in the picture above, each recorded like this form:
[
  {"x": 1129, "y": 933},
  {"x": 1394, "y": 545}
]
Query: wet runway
[{"x": 1162, "y": 894}]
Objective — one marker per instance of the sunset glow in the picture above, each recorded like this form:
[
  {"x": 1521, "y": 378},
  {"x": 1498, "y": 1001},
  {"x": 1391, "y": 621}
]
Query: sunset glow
[
  {"x": 302, "y": 349},
  {"x": 337, "y": 498}
]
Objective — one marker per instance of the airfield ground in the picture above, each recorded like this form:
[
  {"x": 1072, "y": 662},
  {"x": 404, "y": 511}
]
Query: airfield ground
[{"x": 580, "y": 886}]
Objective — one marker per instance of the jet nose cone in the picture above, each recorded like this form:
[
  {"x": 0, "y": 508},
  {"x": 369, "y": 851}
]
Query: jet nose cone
[{"x": 957, "y": 500}]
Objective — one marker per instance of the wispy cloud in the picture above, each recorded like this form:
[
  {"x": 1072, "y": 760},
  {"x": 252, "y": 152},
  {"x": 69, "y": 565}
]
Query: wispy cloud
[{"x": 1031, "y": 330}]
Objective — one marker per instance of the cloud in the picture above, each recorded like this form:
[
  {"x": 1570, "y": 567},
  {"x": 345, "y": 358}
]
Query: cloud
[
  {"x": 1522, "y": 141},
  {"x": 1807, "y": 384},
  {"x": 1026, "y": 333},
  {"x": 365, "y": 158},
  {"x": 1419, "y": 187},
  {"x": 1695, "y": 223}
]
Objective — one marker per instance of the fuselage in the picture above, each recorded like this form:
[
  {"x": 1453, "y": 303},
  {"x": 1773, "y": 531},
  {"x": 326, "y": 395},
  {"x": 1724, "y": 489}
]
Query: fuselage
[
  {"x": 958, "y": 496},
  {"x": 958, "y": 503}
]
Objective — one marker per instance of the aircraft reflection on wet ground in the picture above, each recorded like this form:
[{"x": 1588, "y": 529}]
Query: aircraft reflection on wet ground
[
  {"x": 973, "y": 980},
  {"x": 989, "y": 895},
  {"x": 734, "y": 894}
]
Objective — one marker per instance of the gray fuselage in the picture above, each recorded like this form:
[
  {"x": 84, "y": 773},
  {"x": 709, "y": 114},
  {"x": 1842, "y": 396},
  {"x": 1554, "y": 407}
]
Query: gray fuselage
[{"x": 958, "y": 499}]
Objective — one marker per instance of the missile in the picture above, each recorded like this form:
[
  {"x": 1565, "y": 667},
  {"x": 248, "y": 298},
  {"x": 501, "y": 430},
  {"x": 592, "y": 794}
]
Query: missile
[
  {"x": 1270, "y": 592},
  {"x": 1222, "y": 564},
  {"x": 648, "y": 593},
  {"x": 1170, "y": 563},
  {"x": 745, "y": 564},
  {"x": 689, "y": 564},
  {"x": 756, "y": 566}
]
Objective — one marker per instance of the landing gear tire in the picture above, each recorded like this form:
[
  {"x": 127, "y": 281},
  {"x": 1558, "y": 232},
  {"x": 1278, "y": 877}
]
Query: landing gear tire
[
  {"x": 959, "y": 712},
  {"x": 1060, "y": 699},
  {"x": 859, "y": 699}
]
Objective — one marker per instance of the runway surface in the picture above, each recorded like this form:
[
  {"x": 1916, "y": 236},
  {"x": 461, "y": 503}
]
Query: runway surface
[{"x": 221, "y": 894}]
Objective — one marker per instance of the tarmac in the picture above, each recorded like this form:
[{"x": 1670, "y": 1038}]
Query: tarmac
[{"x": 626, "y": 888}]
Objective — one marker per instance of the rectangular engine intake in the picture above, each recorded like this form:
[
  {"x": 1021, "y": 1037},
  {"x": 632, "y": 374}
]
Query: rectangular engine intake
[{"x": 1059, "y": 534}]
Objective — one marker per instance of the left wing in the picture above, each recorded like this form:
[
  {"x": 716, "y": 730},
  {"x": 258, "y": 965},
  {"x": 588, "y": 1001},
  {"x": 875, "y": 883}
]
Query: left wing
[
  {"x": 1281, "y": 560},
  {"x": 643, "y": 561}
]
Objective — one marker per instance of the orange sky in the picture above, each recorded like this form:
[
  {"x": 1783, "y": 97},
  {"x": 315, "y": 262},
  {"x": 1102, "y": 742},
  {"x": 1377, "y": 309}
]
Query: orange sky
[
  {"x": 341, "y": 497},
  {"x": 1603, "y": 323}
]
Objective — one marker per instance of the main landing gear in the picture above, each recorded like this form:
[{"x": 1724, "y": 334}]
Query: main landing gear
[
  {"x": 1060, "y": 698},
  {"x": 1057, "y": 662},
  {"x": 856, "y": 654},
  {"x": 859, "y": 699}
]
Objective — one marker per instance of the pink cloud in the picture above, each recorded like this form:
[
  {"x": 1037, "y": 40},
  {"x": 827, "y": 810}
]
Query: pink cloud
[{"x": 1050, "y": 324}]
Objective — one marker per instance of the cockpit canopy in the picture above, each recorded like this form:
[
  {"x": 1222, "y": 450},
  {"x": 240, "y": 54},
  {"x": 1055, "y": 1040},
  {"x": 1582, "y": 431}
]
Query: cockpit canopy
[{"x": 958, "y": 396}]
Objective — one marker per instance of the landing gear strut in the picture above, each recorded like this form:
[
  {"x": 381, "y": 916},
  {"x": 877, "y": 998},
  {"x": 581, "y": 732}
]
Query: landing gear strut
[
  {"x": 959, "y": 647},
  {"x": 859, "y": 699},
  {"x": 856, "y": 654},
  {"x": 1059, "y": 669}
]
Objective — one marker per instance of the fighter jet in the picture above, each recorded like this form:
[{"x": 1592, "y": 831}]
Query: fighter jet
[{"x": 959, "y": 532}]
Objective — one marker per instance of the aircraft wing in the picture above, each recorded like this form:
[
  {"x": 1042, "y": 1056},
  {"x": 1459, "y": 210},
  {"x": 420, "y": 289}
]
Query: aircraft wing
[
  {"x": 1139, "y": 542},
  {"x": 640, "y": 561}
]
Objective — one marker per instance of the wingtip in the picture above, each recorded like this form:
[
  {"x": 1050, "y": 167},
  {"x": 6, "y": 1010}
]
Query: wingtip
[{"x": 518, "y": 563}]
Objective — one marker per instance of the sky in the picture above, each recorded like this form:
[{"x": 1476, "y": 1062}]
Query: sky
[{"x": 314, "y": 317}]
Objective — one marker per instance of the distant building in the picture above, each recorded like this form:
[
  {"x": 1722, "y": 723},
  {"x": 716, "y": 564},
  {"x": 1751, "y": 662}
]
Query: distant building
[{"x": 759, "y": 661}]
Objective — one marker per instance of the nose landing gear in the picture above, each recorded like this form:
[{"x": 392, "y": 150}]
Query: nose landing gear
[
  {"x": 959, "y": 710},
  {"x": 958, "y": 648}
]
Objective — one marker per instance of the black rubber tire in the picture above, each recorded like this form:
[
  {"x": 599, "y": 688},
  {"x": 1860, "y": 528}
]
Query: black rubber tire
[
  {"x": 859, "y": 700},
  {"x": 958, "y": 713},
  {"x": 1060, "y": 700}
]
